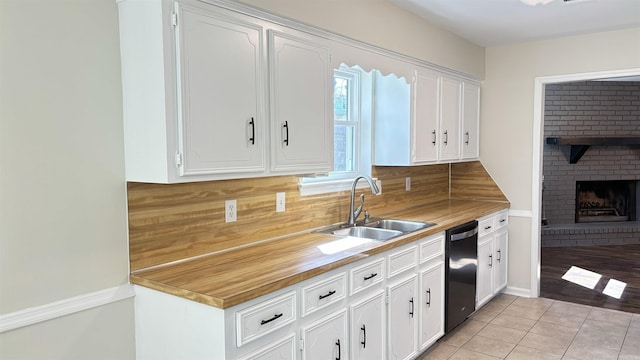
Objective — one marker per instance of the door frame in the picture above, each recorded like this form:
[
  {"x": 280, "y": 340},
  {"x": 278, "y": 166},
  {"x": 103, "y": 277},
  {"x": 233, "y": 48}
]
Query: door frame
[{"x": 538, "y": 138}]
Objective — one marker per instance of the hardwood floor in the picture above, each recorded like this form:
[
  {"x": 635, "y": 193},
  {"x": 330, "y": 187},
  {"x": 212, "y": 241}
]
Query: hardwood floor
[{"x": 619, "y": 262}]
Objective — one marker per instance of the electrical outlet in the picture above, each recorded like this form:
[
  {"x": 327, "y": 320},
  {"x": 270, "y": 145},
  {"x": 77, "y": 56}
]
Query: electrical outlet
[
  {"x": 407, "y": 183},
  {"x": 379, "y": 185},
  {"x": 280, "y": 202},
  {"x": 230, "y": 211}
]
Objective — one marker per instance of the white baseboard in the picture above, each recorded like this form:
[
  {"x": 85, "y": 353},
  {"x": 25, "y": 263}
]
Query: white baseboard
[
  {"x": 518, "y": 291},
  {"x": 64, "y": 307}
]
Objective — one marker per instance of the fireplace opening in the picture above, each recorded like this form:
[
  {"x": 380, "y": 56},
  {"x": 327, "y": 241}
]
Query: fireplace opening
[{"x": 605, "y": 201}]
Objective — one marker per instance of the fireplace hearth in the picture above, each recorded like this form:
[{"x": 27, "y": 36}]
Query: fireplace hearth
[{"x": 605, "y": 201}]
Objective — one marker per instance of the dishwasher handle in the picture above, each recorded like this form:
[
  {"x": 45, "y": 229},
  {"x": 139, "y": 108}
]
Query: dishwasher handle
[{"x": 464, "y": 235}]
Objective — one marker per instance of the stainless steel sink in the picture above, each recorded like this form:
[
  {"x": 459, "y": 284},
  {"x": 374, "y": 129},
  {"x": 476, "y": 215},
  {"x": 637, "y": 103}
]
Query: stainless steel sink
[
  {"x": 404, "y": 226},
  {"x": 368, "y": 233},
  {"x": 377, "y": 229}
]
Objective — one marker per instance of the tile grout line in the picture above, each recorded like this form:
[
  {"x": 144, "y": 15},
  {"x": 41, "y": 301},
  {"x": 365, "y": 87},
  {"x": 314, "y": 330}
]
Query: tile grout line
[{"x": 502, "y": 306}]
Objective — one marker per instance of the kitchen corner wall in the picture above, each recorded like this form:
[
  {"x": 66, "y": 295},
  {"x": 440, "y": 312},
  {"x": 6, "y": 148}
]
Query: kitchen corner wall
[{"x": 63, "y": 232}]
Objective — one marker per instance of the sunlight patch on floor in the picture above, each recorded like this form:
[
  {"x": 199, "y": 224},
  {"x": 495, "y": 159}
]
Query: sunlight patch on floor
[
  {"x": 582, "y": 277},
  {"x": 589, "y": 279},
  {"x": 614, "y": 288}
]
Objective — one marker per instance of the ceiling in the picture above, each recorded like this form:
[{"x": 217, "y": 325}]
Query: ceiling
[{"x": 501, "y": 22}]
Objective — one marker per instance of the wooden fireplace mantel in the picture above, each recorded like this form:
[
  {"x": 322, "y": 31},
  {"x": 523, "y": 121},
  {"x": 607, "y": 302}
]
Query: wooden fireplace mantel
[{"x": 580, "y": 145}]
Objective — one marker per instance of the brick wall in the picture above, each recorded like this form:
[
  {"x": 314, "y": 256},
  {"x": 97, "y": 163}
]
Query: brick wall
[{"x": 593, "y": 108}]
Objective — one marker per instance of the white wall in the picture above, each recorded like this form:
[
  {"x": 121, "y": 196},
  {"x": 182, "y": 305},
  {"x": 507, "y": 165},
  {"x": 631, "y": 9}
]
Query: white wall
[
  {"x": 62, "y": 191},
  {"x": 380, "y": 23},
  {"x": 507, "y": 116}
]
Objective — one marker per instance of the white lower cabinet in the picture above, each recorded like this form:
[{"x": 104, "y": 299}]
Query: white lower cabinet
[
  {"x": 402, "y": 315},
  {"x": 500, "y": 256},
  {"x": 387, "y": 306},
  {"x": 492, "y": 257},
  {"x": 326, "y": 338},
  {"x": 282, "y": 350},
  {"x": 367, "y": 328},
  {"x": 484, "y": 282},
  {"x": 431, "y": 305}
]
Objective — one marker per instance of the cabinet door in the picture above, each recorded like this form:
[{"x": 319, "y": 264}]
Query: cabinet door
[
  {"x": 470, "y": 120},
  {"x": 450, "y": 119},
  {"x": 484, "y": 284},
  {"x": 431, "y": 305},
  {"x": 500, "y": 260},
  {"x": 282, "y": 350},
  {"x": 301, "y": 90},
  {"x": 326, "y": 339},
  {"x": 367, "y": 328},
  {"x": 221, "y": 121},
  {"x": 425, "y": 117},
  {"x": 402, "y": 315}
]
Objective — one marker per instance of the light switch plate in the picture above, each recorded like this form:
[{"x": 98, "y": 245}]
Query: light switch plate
[{"x": 407, "y": 183}]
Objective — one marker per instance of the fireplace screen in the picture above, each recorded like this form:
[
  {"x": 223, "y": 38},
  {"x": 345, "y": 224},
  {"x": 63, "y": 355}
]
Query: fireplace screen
[{"x": 600, "y": 201}]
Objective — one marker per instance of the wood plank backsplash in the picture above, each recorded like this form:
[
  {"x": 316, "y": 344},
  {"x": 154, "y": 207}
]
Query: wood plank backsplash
[
  {"x": 471, "y": 181},
  {"x": 178, "y": 221}
]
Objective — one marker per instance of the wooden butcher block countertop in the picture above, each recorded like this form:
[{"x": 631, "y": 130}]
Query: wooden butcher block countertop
[{"x": 228, "y": 278}]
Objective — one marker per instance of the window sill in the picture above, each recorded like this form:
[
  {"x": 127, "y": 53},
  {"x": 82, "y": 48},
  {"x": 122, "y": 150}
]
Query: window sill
[{"x": 325, "y": 187}]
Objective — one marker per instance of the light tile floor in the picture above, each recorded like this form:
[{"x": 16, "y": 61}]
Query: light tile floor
[{"x": 516, "y": 328}]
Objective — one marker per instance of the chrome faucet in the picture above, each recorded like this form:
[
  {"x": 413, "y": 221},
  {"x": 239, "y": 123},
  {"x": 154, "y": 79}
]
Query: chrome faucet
[{"x": 354, "y": 213}]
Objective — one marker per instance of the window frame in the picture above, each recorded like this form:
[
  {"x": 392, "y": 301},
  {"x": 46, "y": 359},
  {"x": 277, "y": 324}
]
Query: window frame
[{"x": 361, "y": 97}]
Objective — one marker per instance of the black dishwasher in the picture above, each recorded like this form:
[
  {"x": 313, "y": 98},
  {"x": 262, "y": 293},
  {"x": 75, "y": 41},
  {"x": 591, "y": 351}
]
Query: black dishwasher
[{"x": 461, "y": 252}]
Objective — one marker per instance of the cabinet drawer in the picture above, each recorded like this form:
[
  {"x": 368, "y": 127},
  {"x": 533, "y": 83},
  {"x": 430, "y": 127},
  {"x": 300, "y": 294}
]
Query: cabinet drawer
[
  {"x": 323, "y": 293},
  {"x": 402, "y": 260},
  {"x": 501, "y": 219},
  {"x": 265, "y": 317},
  {"x": 366, "y": 276},
  {"x": 486, "y": 226},
  {"x": 431, "y": 248}
]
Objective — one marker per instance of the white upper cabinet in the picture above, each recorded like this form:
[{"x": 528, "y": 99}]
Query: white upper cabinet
[
  {"x": 195, "y": 95},
  {"x": 470, "y": 120},
  {"x": 449, "y": 143},
  {"x": 425, "y": 118},
  {"x": 434, "y": 119},
  {"x": 301, "y": 91},
  {"x": 221, "y": 121}
]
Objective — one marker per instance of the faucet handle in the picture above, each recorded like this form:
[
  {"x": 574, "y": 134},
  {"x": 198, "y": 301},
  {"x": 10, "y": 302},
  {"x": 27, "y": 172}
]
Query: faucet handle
[{"x": 366, "y": 216}]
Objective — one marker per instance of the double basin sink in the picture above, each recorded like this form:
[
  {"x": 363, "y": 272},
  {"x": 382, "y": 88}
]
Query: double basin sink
[{"x": 378, "y": 230}]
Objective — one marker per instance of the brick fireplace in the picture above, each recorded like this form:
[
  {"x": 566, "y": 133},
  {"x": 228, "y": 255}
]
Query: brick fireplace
[
  {"x": 605, "y": 201},
  {"x": 576, "y": 211}
]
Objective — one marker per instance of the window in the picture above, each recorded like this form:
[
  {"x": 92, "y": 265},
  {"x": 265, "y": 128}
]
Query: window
[
  {"x": 346, "y": 124},
  {"x": 352, "y": 132}
]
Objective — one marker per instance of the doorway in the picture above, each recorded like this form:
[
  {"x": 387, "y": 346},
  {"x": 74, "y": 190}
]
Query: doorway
[{"x": 548, "y": 251}]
